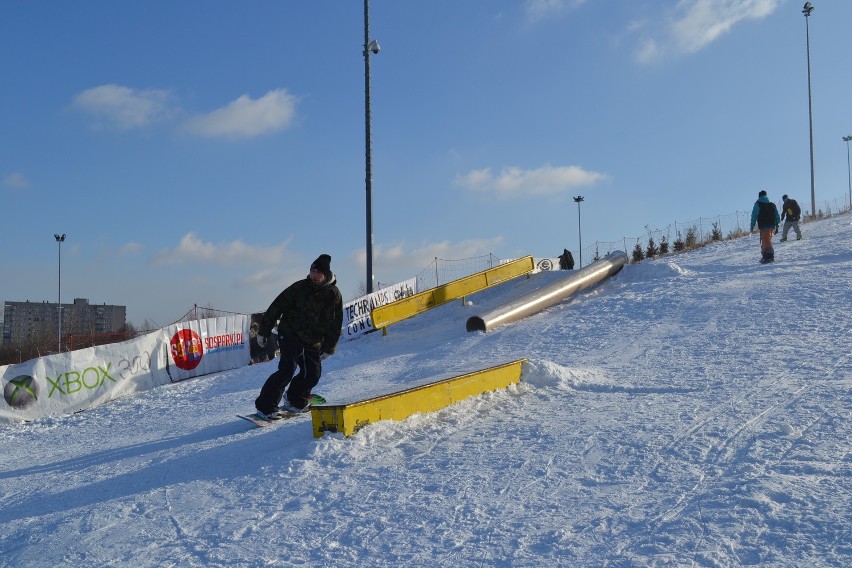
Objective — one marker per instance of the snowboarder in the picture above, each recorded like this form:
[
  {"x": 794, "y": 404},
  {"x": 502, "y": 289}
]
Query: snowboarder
[
  {"x": 790, "y": 214},
  {"x": 566, "y": 260},
  {"x": 764, "y": 214},
  {"x": 309, "y": 313}
]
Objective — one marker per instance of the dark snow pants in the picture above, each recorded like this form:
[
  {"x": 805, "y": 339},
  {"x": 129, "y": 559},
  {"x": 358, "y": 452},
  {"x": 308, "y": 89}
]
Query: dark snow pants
[{"x": 292, "y": 355}]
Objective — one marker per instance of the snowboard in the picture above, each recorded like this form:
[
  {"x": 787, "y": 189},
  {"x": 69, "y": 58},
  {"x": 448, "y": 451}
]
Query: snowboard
[{"x": 262, "y": 421}]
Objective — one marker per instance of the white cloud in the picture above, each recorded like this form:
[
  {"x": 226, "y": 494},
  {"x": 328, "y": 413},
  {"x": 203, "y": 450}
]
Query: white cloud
[
  {"x": 16, "y": 180},
  {"x": 636, "y": 25},
  {"x": 247, "y": 117},
  {"x": 271, "y": 280},
  {"x": 123, "y": 108},
  {"x": 537, "y": 10},
  {"x": 698, "y": 23},
  {"x": 516, "y": 182},
  {"x": 401, "y": 261},
  {"x": 648, "y": 51},
  {"x": 704, "y": 21},
  {"x": 130, "y": 249},
  {"x": 260, "y": 278},
  {"x": 424, "y": 254},
  {"x": 192, "y": 250},
  {"x": 476, "y": 179}
]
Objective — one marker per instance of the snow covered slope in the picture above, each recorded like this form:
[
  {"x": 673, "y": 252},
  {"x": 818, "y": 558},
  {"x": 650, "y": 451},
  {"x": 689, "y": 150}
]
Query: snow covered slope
[{"x": 691, "y": 411}]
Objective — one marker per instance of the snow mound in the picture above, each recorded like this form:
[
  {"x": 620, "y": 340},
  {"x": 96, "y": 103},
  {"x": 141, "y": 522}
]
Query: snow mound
[
  {"x": 548, "y": 374},
  {"x": 653, "y": 270}
]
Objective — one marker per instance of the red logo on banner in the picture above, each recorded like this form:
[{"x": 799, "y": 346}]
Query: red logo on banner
[{"x": 186, "y": 349}]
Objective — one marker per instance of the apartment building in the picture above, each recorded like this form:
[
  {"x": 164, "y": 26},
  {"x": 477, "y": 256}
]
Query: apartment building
[{"x": 27, "y": 321}]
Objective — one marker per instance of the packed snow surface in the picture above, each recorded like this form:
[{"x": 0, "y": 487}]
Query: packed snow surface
[{"x": 693, "y": 410}]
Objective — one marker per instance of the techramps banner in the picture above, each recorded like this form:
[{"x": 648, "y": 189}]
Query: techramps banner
[
  {"x": 356, "y": 313},
  {"x": 73, "y": 381}
]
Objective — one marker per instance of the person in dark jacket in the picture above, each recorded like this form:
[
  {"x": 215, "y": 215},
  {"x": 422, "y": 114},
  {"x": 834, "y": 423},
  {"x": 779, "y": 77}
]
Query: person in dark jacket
[
  {"x": 790, "y": 214},
  {"x": 258, "y": 354},
  {"x": 309, "y": 314},
  {"x": 566, "y": 260},
  {"x": 764, "y": 214}
]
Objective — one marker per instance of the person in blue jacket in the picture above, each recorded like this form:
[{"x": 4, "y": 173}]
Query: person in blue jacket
[{"x": 764, "y": 214}]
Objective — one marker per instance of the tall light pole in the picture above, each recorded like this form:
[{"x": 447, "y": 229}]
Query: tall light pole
[
  {"x": 807, "y": 12},
  {"x": 59, "y": 240},
  {"x": 848, "y": 169},
  {"x": 578, "y": 200},
  {"x": 370, "y": 47}
]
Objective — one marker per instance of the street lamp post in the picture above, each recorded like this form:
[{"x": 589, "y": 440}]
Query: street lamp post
[
  {"x": 848, "y": 169},
  {"x": 370, "y": 47},
  {"x": 59, "y": 240},
  {"x": 807, "y": 12},
  {"x": 578, "y": 200}
]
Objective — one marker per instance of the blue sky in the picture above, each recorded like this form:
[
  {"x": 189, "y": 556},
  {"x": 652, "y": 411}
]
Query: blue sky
[{"x": 205, "y": 152}]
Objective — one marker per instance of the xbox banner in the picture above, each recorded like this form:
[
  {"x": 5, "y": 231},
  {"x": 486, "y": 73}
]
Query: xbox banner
[{"x": 73, "y": 381}]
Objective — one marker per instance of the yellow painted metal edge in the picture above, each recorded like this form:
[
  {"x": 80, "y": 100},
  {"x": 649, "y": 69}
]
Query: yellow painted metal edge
[
  {"x": 349, "y": 418},
  {"x": 405, "y": 308}
]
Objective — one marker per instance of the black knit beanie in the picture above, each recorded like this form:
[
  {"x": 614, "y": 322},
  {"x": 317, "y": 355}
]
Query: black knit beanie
[
  {"x": 762, "y": 193},
  {"x": 323, "y": 264}
]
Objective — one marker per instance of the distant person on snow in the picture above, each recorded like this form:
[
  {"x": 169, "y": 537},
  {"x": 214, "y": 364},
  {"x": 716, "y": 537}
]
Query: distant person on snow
[
  {"x": 257, "y": 354},
  {"x": 764, "y": 214},
  {"x": 566, "y": 260},
  {"x": 792, "y": 212},
  {"x": 309, "y": 313}
]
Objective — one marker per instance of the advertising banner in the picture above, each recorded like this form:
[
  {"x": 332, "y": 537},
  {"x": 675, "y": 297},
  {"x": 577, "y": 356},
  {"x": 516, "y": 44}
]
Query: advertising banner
[
  {"x": 546, "y": 264},
  {"x": 73, "y": 381},
  {"x": 199, "y": 347},
  {"x": 356, "y": 314}
]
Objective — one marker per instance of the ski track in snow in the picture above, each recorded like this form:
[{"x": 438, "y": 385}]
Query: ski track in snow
[{"x": 691, "y": 411}]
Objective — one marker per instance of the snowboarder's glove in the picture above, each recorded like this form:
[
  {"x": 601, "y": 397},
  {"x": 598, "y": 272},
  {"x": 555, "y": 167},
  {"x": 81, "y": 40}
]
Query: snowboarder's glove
[{"x": 261, "y": 341}]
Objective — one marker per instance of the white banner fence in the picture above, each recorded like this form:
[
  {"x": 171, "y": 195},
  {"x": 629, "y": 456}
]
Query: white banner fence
[{"x": 68, "y": 382}]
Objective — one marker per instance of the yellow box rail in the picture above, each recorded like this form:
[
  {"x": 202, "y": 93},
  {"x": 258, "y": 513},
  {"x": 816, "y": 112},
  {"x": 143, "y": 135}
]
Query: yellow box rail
[
  {"x": 405, "y": 308},
  {"x": 349, "y": 418}
]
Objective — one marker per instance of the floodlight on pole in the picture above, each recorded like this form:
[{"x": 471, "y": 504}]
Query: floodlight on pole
[
  {"x": 370, "y": 47},
  {"x": 578, "y": 200},
  {"x": 59, "y": 240},
  {"x": 848, "y": 169},
  {"x": 807, "y": 12}
]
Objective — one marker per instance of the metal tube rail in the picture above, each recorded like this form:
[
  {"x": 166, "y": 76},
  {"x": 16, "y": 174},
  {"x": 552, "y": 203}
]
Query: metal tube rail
[{"x": 551, "y": 294}]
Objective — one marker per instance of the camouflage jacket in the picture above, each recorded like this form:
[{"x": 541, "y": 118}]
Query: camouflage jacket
[{"x": 310, "y": 314}]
